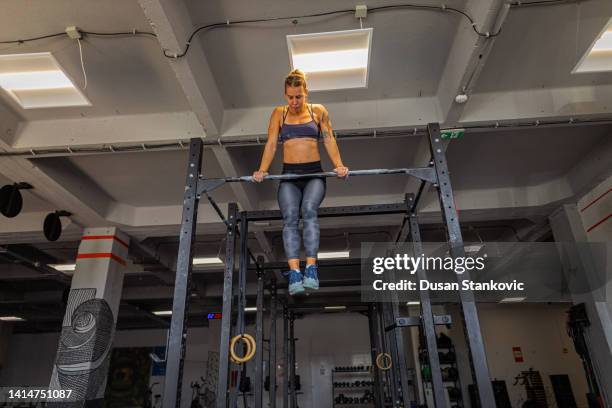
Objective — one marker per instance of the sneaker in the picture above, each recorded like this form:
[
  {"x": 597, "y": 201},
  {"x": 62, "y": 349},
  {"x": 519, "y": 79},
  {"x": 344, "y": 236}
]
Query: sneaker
[
  {"x": 296, "y": 286},
  {"x": 311, "y": 279}
]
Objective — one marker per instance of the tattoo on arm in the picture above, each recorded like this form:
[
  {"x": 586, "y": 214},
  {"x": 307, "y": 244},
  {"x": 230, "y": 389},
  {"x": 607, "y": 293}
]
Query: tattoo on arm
[
  {"x": 326, "y": 131},
  {"x": 326, "y": 119}
]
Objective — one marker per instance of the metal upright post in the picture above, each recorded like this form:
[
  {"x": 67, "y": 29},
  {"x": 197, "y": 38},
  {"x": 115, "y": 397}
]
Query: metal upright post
[
  {"x": 242, "y": 272},
  {"x": 478, "y": 358},
  {"x": 226, "y": 316},
  {"x": 398, "y": 350},
  {"x": 375, "y": 348},
  {"x": 427, "y": 321},
  {"x": 243, "y": 267},
  {"x": 396, "y": 353},
  {"x": 292, "y": 359},
  {"x": 286, "y": 357},
  {"x": 259, "y": 374},
  {"x": 178, "y": 327},
  {"x": 392, "y": 382},
  {"x": 272, "y": 361}
]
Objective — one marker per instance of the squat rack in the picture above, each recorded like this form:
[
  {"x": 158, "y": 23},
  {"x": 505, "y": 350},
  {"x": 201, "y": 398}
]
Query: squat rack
[{"x": 387, "y": 314}]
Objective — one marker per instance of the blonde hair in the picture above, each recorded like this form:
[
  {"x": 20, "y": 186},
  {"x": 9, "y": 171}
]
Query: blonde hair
[{"x": 296, "y": 78}]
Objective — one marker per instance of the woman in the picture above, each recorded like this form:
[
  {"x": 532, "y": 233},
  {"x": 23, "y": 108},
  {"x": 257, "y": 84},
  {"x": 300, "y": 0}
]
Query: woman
[{"x": 299, "y": 126}]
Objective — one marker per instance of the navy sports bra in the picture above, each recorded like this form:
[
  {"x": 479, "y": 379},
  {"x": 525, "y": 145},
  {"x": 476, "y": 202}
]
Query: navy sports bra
[{"x": 310, "y": 129}]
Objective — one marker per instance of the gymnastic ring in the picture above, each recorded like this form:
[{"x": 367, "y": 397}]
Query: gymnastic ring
[
  {"x": 233, "y": 356},
  {"x": 250, "y": 354},
  {"x": 379, "y": 361},
  {"x": 250, "y": 344}
]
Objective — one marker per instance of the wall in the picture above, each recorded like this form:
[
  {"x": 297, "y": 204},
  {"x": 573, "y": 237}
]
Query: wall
[
  {"x": 342, "y": 339},
  {"x": 31, "y": 357},
  {"x": 5, "y": 335},
  {"x": 581, "y": 223},
  {"x": 325, "y": 341},
  {"x": 539, "y": 329}
]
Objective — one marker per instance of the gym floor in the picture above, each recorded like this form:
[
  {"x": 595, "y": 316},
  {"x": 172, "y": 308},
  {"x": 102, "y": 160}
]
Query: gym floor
[{"x": 99, "y": 102}]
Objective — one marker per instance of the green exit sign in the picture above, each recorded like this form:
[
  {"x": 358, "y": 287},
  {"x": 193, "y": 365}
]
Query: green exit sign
[{"x": 452, "y": 133}]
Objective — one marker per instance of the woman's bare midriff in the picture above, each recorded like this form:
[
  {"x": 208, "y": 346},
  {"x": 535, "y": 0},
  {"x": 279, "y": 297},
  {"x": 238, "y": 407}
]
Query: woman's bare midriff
[{"x": 301, "y": 150}]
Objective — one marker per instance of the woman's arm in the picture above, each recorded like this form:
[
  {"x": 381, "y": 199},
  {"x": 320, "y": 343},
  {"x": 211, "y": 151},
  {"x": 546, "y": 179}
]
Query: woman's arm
[
  {"x": 270, "y": 149},
  {"x": 329, "y": 140}
]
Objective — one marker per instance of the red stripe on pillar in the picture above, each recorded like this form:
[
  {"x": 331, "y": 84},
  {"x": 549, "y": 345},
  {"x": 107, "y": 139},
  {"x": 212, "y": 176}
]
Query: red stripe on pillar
[
  {"x": 596, "y": 200},
  {"x": 102, "y": 255},
  {"x": 598, "y": 223},
  {"x": 92, "y": 237}
]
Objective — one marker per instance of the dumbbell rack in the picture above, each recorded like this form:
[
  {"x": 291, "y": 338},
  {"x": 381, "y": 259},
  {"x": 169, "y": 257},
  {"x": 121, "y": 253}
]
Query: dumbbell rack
[
  {"x": 454, "y": 402},
  {"x": 361, "y": 389}
]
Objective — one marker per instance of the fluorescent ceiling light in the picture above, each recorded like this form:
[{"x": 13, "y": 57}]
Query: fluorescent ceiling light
[
  {"x": 215, "y": 260},
  {"x": 163, "y": 313},
  {"x": 333, "y": 255},
  {"x": 599, "y": 57},
  {"x": 22, "y": 81},
  {"x": 413, "y": 303},
  {"x": 63, "y": 267},
  {"x": 332, "y": 60},
  {"x": 38, "y": 81},
  {"x": 512, "y": 300},
  {"x": 335, "y": 307},
  {"x": 11, "y": 319},
  {"x": 604, "y": 43},
  {"x": 473, "y": 248},
  {"x": 250, "y": 309}
]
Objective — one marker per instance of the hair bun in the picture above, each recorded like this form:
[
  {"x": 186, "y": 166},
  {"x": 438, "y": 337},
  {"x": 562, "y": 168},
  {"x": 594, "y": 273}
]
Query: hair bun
[
  {"x": 297, "y": 77},
  {"x": 298, "y": 73}
]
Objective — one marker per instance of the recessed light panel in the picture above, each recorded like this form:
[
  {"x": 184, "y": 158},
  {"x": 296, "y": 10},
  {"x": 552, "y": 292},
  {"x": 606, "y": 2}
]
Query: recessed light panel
[
  {"x": 38, "y": 81},
  {"x": 332, "y": 60},
  {"x": 599, "y": 57}
]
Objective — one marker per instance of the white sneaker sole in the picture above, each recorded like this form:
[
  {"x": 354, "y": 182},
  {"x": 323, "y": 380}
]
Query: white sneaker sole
[
  {"x": 311, "y": 284},
  {"x": 296, "y": 289}
]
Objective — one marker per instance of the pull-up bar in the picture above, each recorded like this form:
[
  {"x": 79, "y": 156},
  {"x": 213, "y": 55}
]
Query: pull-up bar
[{"x": 422, "y": 173}]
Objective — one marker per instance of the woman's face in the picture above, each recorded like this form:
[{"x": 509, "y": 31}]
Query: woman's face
[{"x": 296, "y": 97}]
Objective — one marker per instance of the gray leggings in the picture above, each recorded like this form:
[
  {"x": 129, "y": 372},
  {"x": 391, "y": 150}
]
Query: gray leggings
[{"x": 303, "y": 196}]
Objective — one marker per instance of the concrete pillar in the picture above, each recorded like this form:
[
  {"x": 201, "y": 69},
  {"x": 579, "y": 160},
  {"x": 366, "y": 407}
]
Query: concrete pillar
[
  {"x": 83, "y": 353},
  {"x": 567, "y": 226}
]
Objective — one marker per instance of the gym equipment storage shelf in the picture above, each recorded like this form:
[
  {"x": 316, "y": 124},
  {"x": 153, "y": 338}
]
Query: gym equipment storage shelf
[
  {"x": 450, "y": 373},
  {"x": 353, "y": 380}
]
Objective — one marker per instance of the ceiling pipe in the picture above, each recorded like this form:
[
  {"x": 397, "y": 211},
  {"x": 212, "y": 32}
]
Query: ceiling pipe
[{"x": 183, "y": 144}]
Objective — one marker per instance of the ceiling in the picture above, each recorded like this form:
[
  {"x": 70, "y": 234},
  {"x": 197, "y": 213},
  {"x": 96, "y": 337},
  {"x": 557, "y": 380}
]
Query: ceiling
[
  {"x": 156, "y": 178},
  {"x": 509, "y": 172},
  {"x": 409, "y": 49},
  {"x": 486, "y": 160},
  {"x": 538, "y": 49},
  {"x": 31, "y": 203},
  {"x": 532, "y": 156},
  {"x": 125, "y": 75},
  {"x": 41, "y": 300}
]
